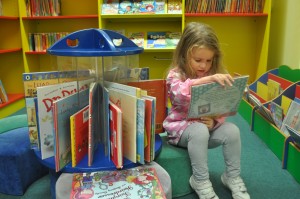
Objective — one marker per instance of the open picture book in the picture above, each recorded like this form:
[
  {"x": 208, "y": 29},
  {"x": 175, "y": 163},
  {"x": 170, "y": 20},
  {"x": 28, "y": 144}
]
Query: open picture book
[{"x": 214, "y": 100}]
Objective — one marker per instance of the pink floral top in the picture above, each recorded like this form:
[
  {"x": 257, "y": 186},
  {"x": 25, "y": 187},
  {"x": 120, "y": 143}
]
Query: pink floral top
[{"x": 179, "y": 94}]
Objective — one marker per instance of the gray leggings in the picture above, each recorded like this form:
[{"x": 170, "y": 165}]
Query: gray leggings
[{"x": 198, "y": 139}]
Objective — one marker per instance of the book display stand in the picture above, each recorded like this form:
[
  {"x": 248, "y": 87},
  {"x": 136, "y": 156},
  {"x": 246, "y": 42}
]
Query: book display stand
[
  {"x": 102, "y": 55},
  {"x": 275, "y": 137}
]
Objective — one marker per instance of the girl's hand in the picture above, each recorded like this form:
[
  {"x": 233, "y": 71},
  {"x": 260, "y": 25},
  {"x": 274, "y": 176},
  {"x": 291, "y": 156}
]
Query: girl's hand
[
  {"x": 222, "y": 79},
  {"x": 208, "y": 121}
]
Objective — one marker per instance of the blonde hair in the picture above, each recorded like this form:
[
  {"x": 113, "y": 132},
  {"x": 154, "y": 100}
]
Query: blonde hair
[{"x": 196, "y": 35}]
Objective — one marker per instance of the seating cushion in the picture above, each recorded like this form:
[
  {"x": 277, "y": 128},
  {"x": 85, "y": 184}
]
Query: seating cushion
[
  {"x": 13, "y": 122},
  {"x": 176, "y": 162},
  {"x": 19, "y": 167}
]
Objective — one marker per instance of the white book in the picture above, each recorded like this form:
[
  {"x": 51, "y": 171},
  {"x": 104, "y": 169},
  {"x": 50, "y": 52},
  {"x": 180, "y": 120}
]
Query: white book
[{"x": 46, "y": 95}]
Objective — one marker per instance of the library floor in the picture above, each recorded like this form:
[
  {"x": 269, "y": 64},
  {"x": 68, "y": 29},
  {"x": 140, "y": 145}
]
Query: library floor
[{"x": 261, "y": 171}]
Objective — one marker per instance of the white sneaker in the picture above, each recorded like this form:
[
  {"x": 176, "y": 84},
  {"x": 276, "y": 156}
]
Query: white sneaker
[
  {"x": 237, "y": 187},
  {"x": 203, "y": 189}
]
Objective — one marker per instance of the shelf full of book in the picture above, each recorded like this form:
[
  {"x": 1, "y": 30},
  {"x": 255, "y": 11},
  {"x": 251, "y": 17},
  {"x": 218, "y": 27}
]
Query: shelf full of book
[
  {"x": 234, "y": 30},
  {"x": 11, "y": 62}
]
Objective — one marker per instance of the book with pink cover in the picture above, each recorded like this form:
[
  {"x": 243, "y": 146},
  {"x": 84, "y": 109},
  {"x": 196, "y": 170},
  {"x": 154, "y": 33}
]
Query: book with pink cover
[
  {"x": 115, "y": 122},
  {"x": 139, "y": 182}
]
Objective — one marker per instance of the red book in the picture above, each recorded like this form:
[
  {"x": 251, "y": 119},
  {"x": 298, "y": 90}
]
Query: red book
[
  {"x": 115, "y": 123},
  {"x": 79, "y": 125},
  {"x": 156, "y": 88}
]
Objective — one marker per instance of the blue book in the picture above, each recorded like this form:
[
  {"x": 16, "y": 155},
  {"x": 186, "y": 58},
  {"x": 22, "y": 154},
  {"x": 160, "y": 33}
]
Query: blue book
[
  {"x": 62, "y": 110},
  {"x": 140, "y": 124}
]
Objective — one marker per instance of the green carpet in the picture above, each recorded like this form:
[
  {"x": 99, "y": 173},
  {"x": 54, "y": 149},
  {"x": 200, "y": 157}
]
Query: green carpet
[
  {"x": 260, "y": 168},
  {"x": 261, "y": 171}
]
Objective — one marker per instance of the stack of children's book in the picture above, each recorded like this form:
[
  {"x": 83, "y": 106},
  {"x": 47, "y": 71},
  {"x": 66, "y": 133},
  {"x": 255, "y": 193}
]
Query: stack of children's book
[{"x": 72, "y": 116}]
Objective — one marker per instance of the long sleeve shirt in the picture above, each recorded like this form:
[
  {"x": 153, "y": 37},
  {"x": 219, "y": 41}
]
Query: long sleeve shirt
[{"x": 179, "y": 94}]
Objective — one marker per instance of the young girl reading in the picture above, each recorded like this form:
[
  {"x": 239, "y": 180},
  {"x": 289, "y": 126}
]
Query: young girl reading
[{"x": 197, "y": 60}]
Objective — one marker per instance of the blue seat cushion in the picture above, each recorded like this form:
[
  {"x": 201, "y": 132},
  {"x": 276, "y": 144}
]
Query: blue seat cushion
[{"x": 19, "y": 167}]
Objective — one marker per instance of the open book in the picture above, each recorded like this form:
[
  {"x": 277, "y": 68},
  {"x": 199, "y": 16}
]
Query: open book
[{"x": 214, "y": 100}]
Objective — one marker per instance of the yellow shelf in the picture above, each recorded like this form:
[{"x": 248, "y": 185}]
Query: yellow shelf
[{"x": 244, "y": 37}]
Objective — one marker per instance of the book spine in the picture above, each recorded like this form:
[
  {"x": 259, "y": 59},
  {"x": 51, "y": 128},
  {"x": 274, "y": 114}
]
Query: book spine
[{"x": 73, "y": 140}]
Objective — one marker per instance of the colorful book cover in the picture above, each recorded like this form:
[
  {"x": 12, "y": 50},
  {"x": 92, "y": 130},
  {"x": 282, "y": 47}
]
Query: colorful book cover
[
  {"x": 46, "y": 96},
  {"x": 174, "y": 6},
  {"x": 128, "y": 104},
  {"x": 215, "y": 100},
  {"x": 110, "y": 7},
  {"x": 274, "y": 89},
  {"x": 147, "y": 7},
  {"x": 138, "y": 38},
  {"x": 62, "y": 110},
  {"x": 172, "y": 39},
  {"x": 160, "y": 6},
  {"x": 79, "y": 125},
  {"x": 156, "y": 39},
  {"x": 276, "y": 113},
  {"x": 139, "y": 182},
  {"x": 140, "y": 123},
  {"x": 292, "y": 118},
  {"x": 31, "y": 81},
  {"x": 125, "y": 7},
  {"x": 156, "y": 88},
  {"x": 115, "y": 122}
]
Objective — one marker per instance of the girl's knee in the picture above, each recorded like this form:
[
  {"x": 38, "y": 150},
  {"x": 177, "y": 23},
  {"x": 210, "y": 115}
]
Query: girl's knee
[
  {"x": 198, "y": 131},
  {"x": 232, "y": 131}
]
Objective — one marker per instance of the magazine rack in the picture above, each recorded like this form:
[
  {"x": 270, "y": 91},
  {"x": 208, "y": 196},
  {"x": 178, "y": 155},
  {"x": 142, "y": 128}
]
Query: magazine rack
[{"x": 101, "y": 53}]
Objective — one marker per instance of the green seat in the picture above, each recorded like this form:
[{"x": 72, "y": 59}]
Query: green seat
[{"x": 176, "y": 162}]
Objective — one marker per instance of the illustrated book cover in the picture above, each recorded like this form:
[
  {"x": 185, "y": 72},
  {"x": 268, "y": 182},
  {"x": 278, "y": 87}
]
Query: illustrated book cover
[
  {"x": 156, "y": 39},
  {"x": 292, "y": 118},
  {"x": 139, "y": 182},
  {"x": 274, "y": 89},
  {"x": 115, "y": 122},
  {"x": 46, "y": 95},
  {"x": 214, "y": 100},
  {"x": 110, "y": 7},
  {"x": 138, "y": 38},
  {"x": 79, "y": 122},
  {"x": 276, "y": 113},
  {"x": 31, "y": 81}
]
